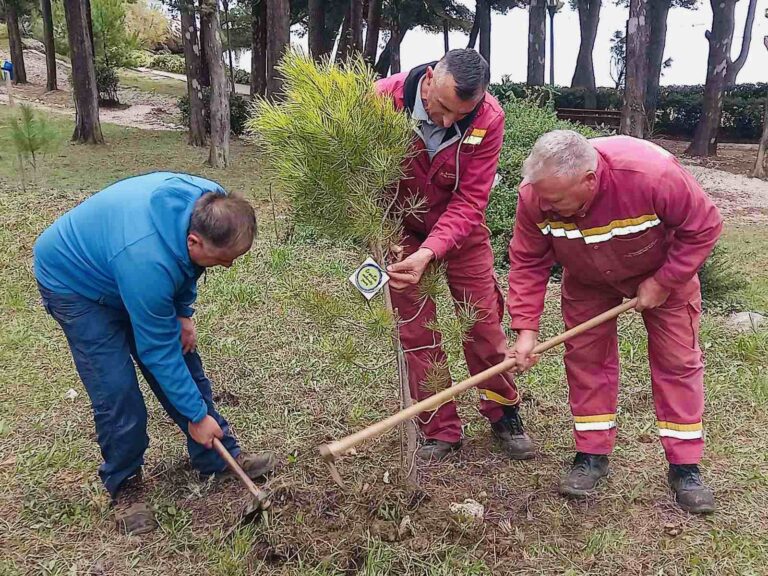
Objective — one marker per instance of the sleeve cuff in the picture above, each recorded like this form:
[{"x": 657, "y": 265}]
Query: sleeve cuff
[
  {"x": 201, "y": 413},
  {"x": 520, "y": 324},
  {"x": 438, "y": 247},
  {"x": 184, "y": 311}
]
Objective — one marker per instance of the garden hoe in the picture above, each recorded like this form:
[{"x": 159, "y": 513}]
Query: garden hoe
[
  {"x": 259, "y": 498},
  {"x": 330, "y": 452}
]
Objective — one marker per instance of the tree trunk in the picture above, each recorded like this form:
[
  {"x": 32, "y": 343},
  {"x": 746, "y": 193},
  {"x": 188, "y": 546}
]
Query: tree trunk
[
  {"x": 658, "y": 10},
  {"x": 278, "y": 41},
  {"x": 759, "y": 171},
  {"x": 355, "y": 27},
  {"x": 219, "y": 115},
  {"x": 446, "y": 38},
  {"x": 225, "y": 5},
  {"x": 317, "y": 29},
  {"x": 258, "y": 48},
  {"x": 584, "y": 75},
  {"x": 633, "y": 121},
  {"x": 472, "y": 42},
  {"x": 14, "y": 41},
  {"x": 484, "y": 11},
  {"x": 342, "y": 50},
  {"x": 197, "y": 134},
  {"x": 385, "y": 58},
  {"x": 372, "y": 35},
  {"x": 537, "y": 42},
  {"x": 205, "y": 73},
  {"x": 51, "y": 81},
  {"x": 87, "y": 125},
  {"x": 395, "y": 63},
  {"x": 720, "y": 37},
  {"x": 735, "y": 67}
]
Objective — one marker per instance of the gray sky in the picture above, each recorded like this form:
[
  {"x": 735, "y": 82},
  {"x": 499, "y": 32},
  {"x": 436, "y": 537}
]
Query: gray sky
[{"x": 686, "y": 44}]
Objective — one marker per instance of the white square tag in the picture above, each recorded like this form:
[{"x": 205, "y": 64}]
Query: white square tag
[{"x": 369, "y": 278}]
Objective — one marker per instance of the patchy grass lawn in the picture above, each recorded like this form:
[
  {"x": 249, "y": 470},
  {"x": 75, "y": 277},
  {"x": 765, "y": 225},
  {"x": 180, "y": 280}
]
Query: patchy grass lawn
[
  {"x": 277, "y": 377},
  {"x": 152, "y": 85}
]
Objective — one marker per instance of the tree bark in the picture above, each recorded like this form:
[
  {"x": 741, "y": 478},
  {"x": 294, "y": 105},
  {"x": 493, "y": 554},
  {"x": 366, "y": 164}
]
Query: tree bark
[
  {"x": 89, "y": 21},
  {"x": 446, "y": 38},
  {"x": 225, "y": 5},
  {"x": 317, "y": 44},
  {"x": 484, "y": 12},
  {"x": 395, "y": 62},
  {"x": 278, "y": 41},
  {"x": 197, "y": 132},
  {"x": 373, "y": 26},
  {"x": 342, "y": 50},
  {"x": 735, "y": 67},
  {"x": 87, "y": 125},
  {"x": 14, "y": 41},
  {"x": 658, "y": 10},
  {"x": 355, "y": 27},
  {"x": 473, "y": 33},
  {"x": 258, "y": 48},
  {"x": 205, "y": 73},
  {"x": 704, "y": 141},
  {"x": 385, "y": 58},
  {"x": 633, "y": 120},
  {"x": 584, "y": 75},
  {"x": 759, "y": 171},
  {"x": 537, "y": 42},
  {"x": 219, "y": 115},
  {"x": 51, "y": 80}
]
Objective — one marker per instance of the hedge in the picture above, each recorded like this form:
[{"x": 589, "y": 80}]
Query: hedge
[{"x": 238, "y": 111}]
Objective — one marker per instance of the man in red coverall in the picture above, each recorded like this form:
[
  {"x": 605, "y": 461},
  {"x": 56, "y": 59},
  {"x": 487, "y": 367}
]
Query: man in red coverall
[
  {"x": 459, "y": 133},
  {"x": 624, "y": 219}
]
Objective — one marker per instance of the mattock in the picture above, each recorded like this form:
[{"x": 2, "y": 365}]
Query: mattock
[{"x": 332, "y": 451}]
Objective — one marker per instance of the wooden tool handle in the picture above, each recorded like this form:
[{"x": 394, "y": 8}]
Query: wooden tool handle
[
  {"x": 259, "y": 494},
  {"x": 339, "y": 447}
]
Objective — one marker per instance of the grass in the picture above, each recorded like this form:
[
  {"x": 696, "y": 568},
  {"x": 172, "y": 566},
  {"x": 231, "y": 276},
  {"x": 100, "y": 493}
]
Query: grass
[
  {"x": 151, "y": 84},
  {"x": 278, "y": 379}
]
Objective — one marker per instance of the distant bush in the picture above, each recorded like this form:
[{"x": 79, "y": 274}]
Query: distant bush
[
  {"x": 138, "y": 59},
  {"x": 168, "y": 63},
  {"x": 720, "y": 280},
  {"x": 238, "y": 111},
  {"x": 107, "y": 82}
]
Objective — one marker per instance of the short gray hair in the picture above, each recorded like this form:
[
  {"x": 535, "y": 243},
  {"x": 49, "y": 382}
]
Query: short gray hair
[
  {"x": 225, "y": 221},
  {"x": 470, "y": 72},
  {"x": 559, "y": 153}
]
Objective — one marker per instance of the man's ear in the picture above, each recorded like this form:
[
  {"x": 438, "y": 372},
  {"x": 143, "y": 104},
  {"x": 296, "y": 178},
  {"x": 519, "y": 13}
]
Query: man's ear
[
  {"x": 193, "y": 240},
  {"x": 429, "y": 76}
]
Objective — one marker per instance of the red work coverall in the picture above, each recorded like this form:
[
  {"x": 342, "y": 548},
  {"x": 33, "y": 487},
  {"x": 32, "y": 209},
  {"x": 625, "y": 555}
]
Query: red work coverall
[
  {"x": 649, "y": 217},
  {"x": 456, "y": 185}
]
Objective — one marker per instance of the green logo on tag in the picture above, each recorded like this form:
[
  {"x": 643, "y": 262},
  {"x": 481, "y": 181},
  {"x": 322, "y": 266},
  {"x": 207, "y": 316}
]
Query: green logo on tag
[{"x": 369, "y": 277}]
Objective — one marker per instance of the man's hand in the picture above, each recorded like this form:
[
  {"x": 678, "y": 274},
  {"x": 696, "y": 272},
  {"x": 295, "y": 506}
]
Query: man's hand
[
  {"x": 521, "y": 351},
  {"x": 205, "y": 431},
  {"x": 650, "y": 294},
  {"x": 409, "y": 271},
  {"x": 188, "y": 335}
]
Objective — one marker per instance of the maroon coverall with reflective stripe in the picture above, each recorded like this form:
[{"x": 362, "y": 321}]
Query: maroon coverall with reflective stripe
[
  {"x": 649, "y": 217},
  {"x": 453, "y": 228}
]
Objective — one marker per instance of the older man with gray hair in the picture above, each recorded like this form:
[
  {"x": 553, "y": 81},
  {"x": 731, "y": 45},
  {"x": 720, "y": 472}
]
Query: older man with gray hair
[{"x": 624, "y": 219}]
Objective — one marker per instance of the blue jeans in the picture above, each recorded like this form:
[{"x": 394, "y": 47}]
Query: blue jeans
[{"x": 103, "y": 347}]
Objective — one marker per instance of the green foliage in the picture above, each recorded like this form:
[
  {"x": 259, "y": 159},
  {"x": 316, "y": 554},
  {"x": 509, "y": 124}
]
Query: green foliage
[
  {"x": 32, "y": 136},
  {"x": 720, "y": 279},
  {"x": 678, "y": 109},
  {"x": 107, "y": 82},
  {"x": 168, "y": 63},
  {"x": 238, "y": 111},
  {"x": 526, "y": 120},
  {"x": 138, "y": 59},
  {"x": 335, "y": 148},
  {"x": 112, "y": 38}
]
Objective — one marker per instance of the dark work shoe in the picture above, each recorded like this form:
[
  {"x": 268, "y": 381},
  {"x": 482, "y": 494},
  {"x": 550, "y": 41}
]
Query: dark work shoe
[
  {"x": 586, "y": 471},
  {"x": 509, "y": 433},
  {"x": 690, "y": 492},
  {"x": 132, "y": 515},
  {"x": 254, "y": 465},
  {"x": 436, "y": 449}
]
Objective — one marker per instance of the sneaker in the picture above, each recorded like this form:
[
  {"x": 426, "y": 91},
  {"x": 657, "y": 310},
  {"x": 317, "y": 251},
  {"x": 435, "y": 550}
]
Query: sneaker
[
  {"x": 586, "y": 471},
  {"x": 433, "y": 449},
  {"x": 690, "y": 492},
  {"x": 510, "y": 434}
]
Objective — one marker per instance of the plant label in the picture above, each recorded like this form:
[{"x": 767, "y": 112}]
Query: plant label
[{"x": 369, "y": 278}]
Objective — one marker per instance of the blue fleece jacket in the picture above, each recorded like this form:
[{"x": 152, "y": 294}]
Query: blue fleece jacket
[{"x": 126, "y": 247}]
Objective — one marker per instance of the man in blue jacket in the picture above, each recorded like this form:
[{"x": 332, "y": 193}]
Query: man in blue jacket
[{"x": 119, "y": 274}]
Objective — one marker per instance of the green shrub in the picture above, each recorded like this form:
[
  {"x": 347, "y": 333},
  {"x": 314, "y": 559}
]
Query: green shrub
[
  {"x": 107, "y": 82},
  {"x": 32, "y": 137},
  {"x": 168, "y": 63},
  {"x": 526, "y": 120},
  {"x": 138, "y": 59},
  {"x": 238, "y": 111},
  {"x": 720, "y": 280}
]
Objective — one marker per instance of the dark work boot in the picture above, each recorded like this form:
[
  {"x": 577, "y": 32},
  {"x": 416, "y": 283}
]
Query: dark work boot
[
  {"x": 690, "y": 492},
  {"x": 132, "y": 515},
  {"x": 509, "y": 433},
  {"x": 586, "y": 472},
  {"x": 436, "y": 449},
  {"x": 256, "y": 466}
]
